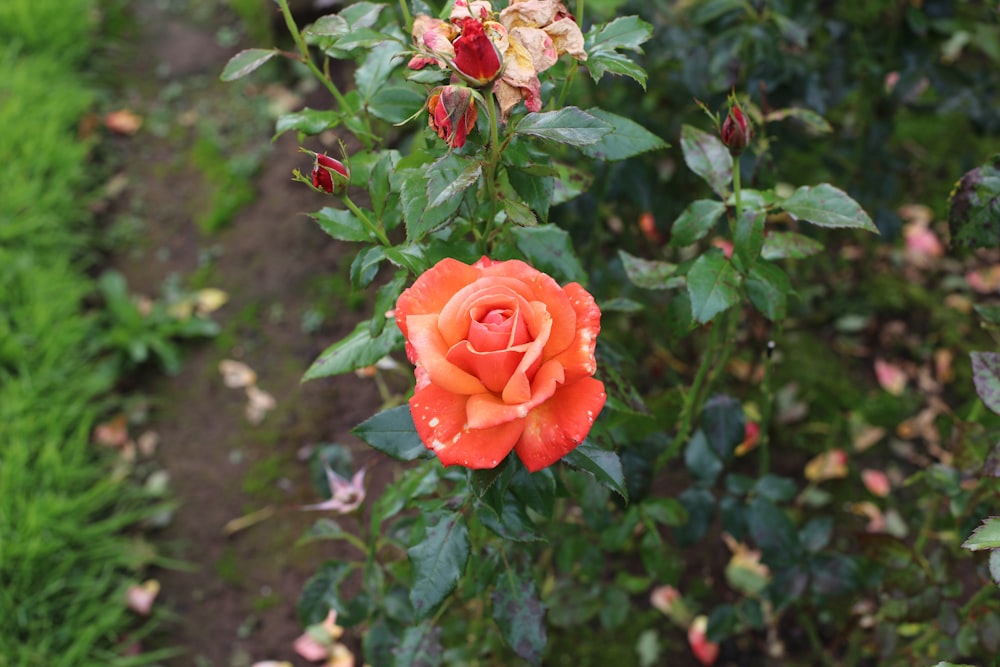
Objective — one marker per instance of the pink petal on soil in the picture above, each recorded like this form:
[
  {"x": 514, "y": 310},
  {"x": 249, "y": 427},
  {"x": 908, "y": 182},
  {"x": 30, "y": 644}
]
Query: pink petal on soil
[
  {"x": 876, "y": 481},
  {"x": 890, "y": 377}
]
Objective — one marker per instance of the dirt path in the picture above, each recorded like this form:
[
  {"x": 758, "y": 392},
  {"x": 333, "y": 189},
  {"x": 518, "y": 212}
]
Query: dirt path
[{"x": 237, "y": 605}]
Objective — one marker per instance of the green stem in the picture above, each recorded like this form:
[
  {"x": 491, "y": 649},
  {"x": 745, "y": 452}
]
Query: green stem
[
  {"x": 490, "y": 172},
  {"x": 300, "y": 41},
  {"x": 817, "y": 645},
  {"x": 767, "y": 400},
  {"x": 736, "y": 188},
  {"x": 573, "y": 68},
  {"x": 579, "y": 13},
  {"x": 406, "y": 16},
  {"x": 373, "y": 228}
]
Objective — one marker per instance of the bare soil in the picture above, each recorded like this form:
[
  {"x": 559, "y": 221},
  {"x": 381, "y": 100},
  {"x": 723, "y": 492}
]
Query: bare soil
[{"x": 236, "y": 604}]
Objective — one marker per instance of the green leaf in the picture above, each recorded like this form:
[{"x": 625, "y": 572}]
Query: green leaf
[
  {"x": 385, "y": 299},
  {"x": 700, "y": 505},
  {"x": 394, "y": 104},
  {"x": 379, "y": 183},
  {"x": 357, "y": 350},
  {"x": 534, "y": 190},
  {"x": 568, "y": 125},
  {"x": 707, "y": 156},
  {"x": 482, "y": 481},
  {"x": 612, "y": 62},
  {"x": 789, "y": 245},
  {"x": 701, "y": 460},
  {"x": 420, "y": 218},
  {"x": 332, "y": 25},
  {"x": 519, "y": 214},
  {"x": 665, "y": 511},
  {"x": 809, "y": 118},
  {"x": 341, "y": 224},
  {"x": 322, "y": 593},
  {"x": 995, "y": 565},
  {"x": 420, "y": 647},
  {"x": 550, "y": 249},
  {"x": 365, "y": 266},
  {"x": 648, "y": 274},
  {"x": 724, "y": 424},
  {"x": 520, "y": 616},
  {"x": 695, "y": 222},
  {"x": 773, "y": 532},
  {"x": 246, "y": 61},
  {"x": 986, "y": 377},
  {"x": 308, "y": 121},
  {"x": 438, "y": 562},
  {"x": 605, "y": 466},
  {"x": 453, "y": 187},
  {"x": 975, "y": 207},
  {"x": 713, "y": 285},
  {"x": 748, "y": 236},
  {"x": 570, "y": 182},
  {"x": 625, "y": 32},
  {"x": 376, "y": 68},
  {"x": 986, "y": 536},
  {"x": 323, "y": 529},
  {"x": 826, "y": 206},
  {"x": 392, "y": 432},
  {"x": 768, "y": 288},
  {"x": 626, "y": 139}
]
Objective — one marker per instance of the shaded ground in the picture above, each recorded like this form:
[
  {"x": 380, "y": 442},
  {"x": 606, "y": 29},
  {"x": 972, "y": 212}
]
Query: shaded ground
[{"x": 237, "y": 604}]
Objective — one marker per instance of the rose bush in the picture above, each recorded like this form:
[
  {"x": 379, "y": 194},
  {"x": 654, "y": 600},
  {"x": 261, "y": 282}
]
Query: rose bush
[{"x": 504, "y": 361}]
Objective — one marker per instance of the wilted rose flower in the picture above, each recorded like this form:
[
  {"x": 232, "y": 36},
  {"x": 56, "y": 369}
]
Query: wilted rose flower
[
  {"x": 477, "y": 59},
  {"x": 504, "y": 361},
  {"x": 452, "y": 114},
  {"x": 736, "y": 130},
  {"x": 330, "y": 175},
  {"x": 707, "y": 652},
  {"x": 433, "y": 35}
]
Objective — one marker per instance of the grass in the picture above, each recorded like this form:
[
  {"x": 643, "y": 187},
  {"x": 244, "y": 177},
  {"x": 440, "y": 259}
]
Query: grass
[{"x": 66, "y": 548}]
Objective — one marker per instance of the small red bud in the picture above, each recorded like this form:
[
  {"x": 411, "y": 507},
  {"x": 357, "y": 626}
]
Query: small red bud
[
  {"x": 452, "y": 113},
  {"x": 477, "y": 59},
  {"x": 736, "y": 131},
  {"x": 330, "y": 175}
]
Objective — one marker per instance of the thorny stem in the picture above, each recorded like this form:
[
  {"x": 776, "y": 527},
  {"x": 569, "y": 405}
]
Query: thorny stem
[
  {"x": 304, "y": 57},
  {"x": 490, "y": 172},
  {"x": 406, "y": 15},
  {"x": 767, "y": 401},
  {"x": 376, "y": 230}
]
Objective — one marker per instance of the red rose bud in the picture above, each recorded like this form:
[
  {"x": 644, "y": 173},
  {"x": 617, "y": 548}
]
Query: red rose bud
[
  {"x": 477, "y": 59},
  {"x": 452, "y": 114},
  {"x": 330, "y": 175},
  {"x": 736, "y": 131}
]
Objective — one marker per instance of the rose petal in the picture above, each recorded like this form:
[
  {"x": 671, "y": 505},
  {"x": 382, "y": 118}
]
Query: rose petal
[
  {"x": 578, "y": 356},
  {"x": 433, "y": 289},
  {"x": 440, "y": 420},
  {"x": 493, "y": 369},
  {"x": 488, "y": 410},
  {"x": 566, "y": 37},
  {"x": 557, "y": 426},
  {"x": 455, "y": 317},
  {"x": 431, "y": 350}
]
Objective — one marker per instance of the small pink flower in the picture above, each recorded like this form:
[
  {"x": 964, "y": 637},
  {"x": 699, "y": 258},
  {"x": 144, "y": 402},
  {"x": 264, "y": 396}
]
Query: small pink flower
[
  {"x": 876, "y": 481},
  {"x": 345, "y": 496}
]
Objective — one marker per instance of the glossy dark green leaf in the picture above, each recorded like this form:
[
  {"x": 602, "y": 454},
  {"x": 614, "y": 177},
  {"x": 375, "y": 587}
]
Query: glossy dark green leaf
[
  {"x": 604, "y": 465},
  {"x": 713, "y": 285},
  {"x": 508, "y": 518},
  {"x": 438, "y": 561},
  {"x": 723, "y": 422},
  {"x": 376, "y": 68},
  {"x": 707, "y": 156},
  {"x": 550, "y": 249},
  {"x": 665, "y": 511},
  {"x": 357, "y": 350},
  {"x": 826, "y": 206},
  {"x": 776, "y": 488},
  {"x": 721, "y": 623},
  {"x": 385, "y": 300},
  {"x": 816, "y": 534},
  {"x": 772, "y": 531},
  {"x": 748, "y": 236},
  {"x": 700, "y": 506},
  {"x": 419, "y": 217},
  {"x": 533, "y": 189},
  {"x": 379, "y": 183},
  {"x": 696, "y": 222},
  {"x": 626, "y": 139},
  {"x": 520, "y": 615},
  {"x": 321, "y": 592},
  {"x": 767, "y": 288},
  {"x": 701, "y": 460},
  {"x": 519, "y": 214},
  {"x": 392, "y": 432},
  {"x": 394, "y": 104},
  {"x": 451, "y": 185},
  {"x": 568, "y": 125},
  {"x": 365, "y": 266}
]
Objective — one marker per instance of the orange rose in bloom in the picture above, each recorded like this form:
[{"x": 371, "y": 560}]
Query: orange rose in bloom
[
  {"x": 504, "y": 360},
  {"x": 452, "y": 114}
]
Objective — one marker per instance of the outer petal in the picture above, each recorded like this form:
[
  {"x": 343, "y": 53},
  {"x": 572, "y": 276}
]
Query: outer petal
[
  {"x": 578, "y": 357},
  {"x": 432, "y": 290},
  {"x": 439, "y": 417},
  {"x": 488, "y": 411},
  {"x": 567, "y": 37},
  {"x": 558, "y": 425}
]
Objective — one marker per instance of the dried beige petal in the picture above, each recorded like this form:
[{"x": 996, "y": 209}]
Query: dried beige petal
[
  {"x": 236, "y": 374},
  {"x": 210, "y": 300},
  {"x": 259, "y": 403}
]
